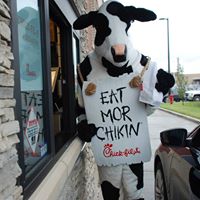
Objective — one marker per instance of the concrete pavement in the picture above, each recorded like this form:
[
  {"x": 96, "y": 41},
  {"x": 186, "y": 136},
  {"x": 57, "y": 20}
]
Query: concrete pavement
[{"x": 161, "y": 120}]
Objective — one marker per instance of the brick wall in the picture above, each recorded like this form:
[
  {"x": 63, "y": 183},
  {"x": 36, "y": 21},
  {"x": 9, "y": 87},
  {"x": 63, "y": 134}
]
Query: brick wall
[
  {"x": 82, "y": 184},
  {"x": 9, "y": 127}
]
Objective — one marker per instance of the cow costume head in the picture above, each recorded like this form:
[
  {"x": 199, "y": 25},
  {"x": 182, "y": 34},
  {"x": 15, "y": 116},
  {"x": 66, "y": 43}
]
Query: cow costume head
[{"x": 112, "y": 21}]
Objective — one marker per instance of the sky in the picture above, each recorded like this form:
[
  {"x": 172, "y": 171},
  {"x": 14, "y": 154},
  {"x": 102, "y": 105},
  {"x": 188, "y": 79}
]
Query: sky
[{"x": 150, "y": 38}]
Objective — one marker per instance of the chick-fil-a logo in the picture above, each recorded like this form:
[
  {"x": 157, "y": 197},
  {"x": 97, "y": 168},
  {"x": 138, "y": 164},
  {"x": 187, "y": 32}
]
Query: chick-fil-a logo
[{"x": 107, "y": 152}]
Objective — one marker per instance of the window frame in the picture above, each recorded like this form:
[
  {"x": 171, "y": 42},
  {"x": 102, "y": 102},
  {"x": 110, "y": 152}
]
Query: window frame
[
  {"x": 41, "y": 169},
  {"x": 46, "y": 164}
]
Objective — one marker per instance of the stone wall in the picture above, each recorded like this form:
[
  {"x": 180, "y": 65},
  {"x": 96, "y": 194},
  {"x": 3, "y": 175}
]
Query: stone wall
[
  {"x": 82, "y": 184},
  {"x": 87, "y": 35},
  {"x": 83, "y": 181},
  {"x": 9, "y": 127}
]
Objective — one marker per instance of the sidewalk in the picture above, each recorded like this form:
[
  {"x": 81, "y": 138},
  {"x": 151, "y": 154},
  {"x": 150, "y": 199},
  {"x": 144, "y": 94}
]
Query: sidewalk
[{"x": 159, "y": 121}]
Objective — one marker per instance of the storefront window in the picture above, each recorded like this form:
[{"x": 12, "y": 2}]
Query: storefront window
[
  {"x": 45, "y": 52},
  {"x": 31, "y": 82}
]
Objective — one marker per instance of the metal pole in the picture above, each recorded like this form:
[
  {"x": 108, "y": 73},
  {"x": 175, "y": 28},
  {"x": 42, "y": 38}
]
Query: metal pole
[
  {"x": 168, "y": 48},
  {"x": 168, "y": 45}
]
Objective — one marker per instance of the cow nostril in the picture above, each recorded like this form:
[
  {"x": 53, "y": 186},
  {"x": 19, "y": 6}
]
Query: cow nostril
[
  {"x": 119, "y": 52},
  {"x": 118, "y": 49}
]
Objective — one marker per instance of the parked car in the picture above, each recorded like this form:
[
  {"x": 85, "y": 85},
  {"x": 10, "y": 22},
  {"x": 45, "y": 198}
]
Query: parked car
[
  {"x": 192, "y": 95},
  {"x": 177, "y": 165}
]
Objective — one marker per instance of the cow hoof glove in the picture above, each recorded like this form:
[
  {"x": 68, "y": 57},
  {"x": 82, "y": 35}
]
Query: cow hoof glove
[
  {"x": 135, "y": 82},
  {"x": 91, "y": 89}
]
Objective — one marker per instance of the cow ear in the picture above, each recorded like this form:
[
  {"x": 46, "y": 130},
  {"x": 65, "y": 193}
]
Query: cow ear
[
  {"x": 139, "y": 14},
  {"x": 85, "y": 20}
]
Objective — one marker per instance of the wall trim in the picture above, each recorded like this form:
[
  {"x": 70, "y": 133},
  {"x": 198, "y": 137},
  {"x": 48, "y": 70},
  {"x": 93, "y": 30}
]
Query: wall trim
[
  {"x": 74, "y": 7},
  {"x": 52, "y": 185}
]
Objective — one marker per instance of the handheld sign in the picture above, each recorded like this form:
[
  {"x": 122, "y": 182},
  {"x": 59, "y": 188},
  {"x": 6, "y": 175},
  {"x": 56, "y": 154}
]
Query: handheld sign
[{"x": 122, "y": 136}]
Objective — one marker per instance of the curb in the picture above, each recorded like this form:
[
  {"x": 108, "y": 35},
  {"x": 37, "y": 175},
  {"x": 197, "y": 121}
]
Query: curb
[{"x": 181, "y": 115}]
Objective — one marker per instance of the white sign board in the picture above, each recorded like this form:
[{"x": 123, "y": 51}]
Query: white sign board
[
  {"x": 122, "y": 136},
  {"x": 32, "y": 130}
]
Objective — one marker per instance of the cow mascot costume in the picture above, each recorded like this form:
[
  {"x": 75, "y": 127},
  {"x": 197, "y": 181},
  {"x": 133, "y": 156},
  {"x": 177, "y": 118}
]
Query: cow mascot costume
[{"x": 114, "y": 57}]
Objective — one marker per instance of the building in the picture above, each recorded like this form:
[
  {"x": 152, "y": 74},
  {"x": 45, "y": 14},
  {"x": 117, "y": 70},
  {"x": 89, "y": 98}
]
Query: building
[
  {"x": 193, "y": 81},
  {"x": 40, "y": 155}
]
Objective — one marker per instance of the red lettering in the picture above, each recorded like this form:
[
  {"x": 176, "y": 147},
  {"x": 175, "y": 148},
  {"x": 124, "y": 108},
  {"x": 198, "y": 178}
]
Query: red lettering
[
  {"x": 32, "y": 122},
  {"x": 107, "y": 152}
]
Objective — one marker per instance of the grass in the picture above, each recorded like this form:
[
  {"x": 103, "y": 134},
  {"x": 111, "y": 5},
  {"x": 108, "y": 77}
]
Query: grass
[{"x": 189, "y": 108}]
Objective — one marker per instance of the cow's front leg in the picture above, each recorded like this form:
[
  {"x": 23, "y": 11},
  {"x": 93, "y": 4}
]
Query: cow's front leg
[
  {"x": 86, "y": 131},
  {"x": 165, "y": 81}
]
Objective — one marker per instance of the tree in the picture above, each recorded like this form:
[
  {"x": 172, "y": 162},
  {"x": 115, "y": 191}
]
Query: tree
[{"x": 181, "y": 81}]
